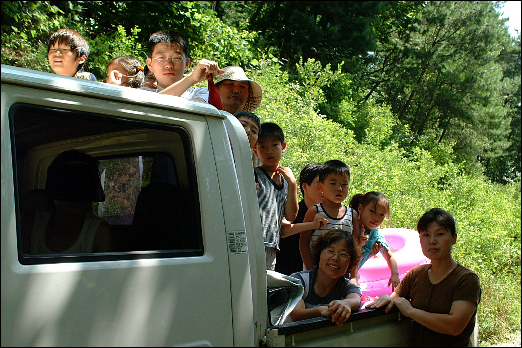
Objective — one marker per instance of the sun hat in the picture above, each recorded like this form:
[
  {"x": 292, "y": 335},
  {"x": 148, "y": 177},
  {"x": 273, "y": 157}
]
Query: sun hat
[{"x": 255, "y": 93}]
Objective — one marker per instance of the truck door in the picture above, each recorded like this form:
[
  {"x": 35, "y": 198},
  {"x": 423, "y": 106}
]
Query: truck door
[{"x": 166, "y": 280}]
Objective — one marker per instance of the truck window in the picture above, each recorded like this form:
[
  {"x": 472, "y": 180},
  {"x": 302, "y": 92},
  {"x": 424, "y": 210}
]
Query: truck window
[{"x": 146, "y": 172}]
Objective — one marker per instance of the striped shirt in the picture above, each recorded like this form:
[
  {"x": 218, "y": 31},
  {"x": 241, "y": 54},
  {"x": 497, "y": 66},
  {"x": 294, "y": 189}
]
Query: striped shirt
[
  {"x": 345, "y": 223},
  {"x": 272, "y": 202}
]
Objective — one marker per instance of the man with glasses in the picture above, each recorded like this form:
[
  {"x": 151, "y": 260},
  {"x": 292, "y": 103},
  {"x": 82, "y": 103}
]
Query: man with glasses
[{"x": 169, "y": 59}]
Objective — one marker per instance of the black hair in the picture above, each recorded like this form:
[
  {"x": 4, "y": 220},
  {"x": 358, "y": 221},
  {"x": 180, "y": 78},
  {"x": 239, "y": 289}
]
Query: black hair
[
  {"x": 132, "y": 68},
  {"x": 251, "y": 116},
  {"x": 73, "y": 176},
  {"x": 168, "y": 37},
  {"x": 70, "y": 37},
  {"x": 271, "y": 130},
  {"x": 367, "y": 198},
  {"x": 308, "y": 174},
  {"x": 437, "y": 215},
  {"x": 330, "y": 237},
  {"x": 333, "y": 166}
]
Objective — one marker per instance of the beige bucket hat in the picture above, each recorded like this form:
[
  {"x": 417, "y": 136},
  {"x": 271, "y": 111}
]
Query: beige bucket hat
[{"x": 255, "y": 93}]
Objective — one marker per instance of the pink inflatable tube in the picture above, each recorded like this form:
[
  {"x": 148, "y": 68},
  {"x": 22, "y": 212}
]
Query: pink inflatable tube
[{"x": 406, "y": 249}]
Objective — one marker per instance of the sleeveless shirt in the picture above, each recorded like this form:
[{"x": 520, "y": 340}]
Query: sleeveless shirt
[{"x": 345, "y": 223}]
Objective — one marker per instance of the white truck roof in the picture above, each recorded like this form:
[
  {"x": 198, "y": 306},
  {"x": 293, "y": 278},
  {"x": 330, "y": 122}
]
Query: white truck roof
[{"x": 100, "y": 90}]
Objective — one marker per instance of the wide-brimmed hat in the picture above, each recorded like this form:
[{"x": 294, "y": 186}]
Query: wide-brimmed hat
[{"x": 255, "y": 93}]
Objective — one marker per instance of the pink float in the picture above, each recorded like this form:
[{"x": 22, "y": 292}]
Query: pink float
[{"x": 406, "y": 249}]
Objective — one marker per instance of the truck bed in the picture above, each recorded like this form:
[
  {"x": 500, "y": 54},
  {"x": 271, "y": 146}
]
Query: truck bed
[{"x": 365, "y": 328}]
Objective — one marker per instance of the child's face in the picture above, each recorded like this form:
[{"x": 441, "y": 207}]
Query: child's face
[
  {"x": 373, "y": 214},
  {"x": 251, "y": 129},
  {"x": 269, "y": 151},
  {"x": 335, "y": 187},
  {"x": 171, "y": 70},
  {"x": 63, "y": 61},
  {"x": 312, "y": 191}
]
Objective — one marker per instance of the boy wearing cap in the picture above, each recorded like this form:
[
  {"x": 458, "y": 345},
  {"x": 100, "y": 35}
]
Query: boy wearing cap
[
  {"x": 168, "y": 60},
  {"x": 237, "y": 91}
]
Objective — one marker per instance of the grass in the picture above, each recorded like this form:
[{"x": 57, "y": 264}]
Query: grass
[{"x": 499, "y": 311}]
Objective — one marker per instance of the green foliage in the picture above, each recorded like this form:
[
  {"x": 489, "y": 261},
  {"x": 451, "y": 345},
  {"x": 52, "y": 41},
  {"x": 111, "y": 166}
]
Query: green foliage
[
  {"x": 26, "y": 27},
  {"x": 104, "y": 48},
  {"x": 333, "y": 32},
  {"x": 228, "y": 46},
  {"x": 17, "y": 51},
  {"x": 310, "y": 137},
  {"x": 439, "y": 72}
]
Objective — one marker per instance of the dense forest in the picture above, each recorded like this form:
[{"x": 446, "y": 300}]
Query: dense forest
[{"x": 420, "y": 98}]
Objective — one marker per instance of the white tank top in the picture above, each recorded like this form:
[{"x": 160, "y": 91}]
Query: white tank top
[{"x": 345, "y": 223}]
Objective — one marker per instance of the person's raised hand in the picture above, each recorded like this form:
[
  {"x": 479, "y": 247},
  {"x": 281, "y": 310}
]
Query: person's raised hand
[{"x": 204, "y": 68}]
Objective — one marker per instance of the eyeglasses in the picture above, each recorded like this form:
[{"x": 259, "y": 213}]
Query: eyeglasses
[
  {"x": 175, "y": 59},
  {"x": 342, "y": 255},
  {"x": 62, "y": 50}
]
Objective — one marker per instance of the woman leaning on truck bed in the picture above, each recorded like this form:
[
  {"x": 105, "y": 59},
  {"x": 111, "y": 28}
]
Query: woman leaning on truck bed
[
  {"x": 444, "y": 294},
  {"x": 327, "y": 292}
]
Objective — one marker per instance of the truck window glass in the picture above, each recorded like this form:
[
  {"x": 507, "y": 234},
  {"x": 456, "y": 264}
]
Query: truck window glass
[{"x": 146, "y": 172}]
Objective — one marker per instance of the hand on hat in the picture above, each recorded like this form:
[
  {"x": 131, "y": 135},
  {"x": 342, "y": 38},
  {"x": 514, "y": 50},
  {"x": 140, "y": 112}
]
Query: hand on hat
[{"x": 204, "y": 68}]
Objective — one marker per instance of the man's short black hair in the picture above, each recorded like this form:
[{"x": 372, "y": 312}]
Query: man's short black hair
[
  {"x": 308, "y": 174},
  {"x": 168, "y": 37}
]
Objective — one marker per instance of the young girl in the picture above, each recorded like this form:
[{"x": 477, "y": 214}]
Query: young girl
[
  {"x": 373, "y": 207},
  {"x": 125, "y": 71}
]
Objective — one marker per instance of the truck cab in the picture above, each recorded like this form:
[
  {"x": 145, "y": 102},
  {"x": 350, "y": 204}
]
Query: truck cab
[{"x": 133, "y": 295}]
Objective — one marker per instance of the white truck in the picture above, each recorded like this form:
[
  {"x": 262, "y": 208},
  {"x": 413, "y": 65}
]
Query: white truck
[{"x": 211, "y": 290}]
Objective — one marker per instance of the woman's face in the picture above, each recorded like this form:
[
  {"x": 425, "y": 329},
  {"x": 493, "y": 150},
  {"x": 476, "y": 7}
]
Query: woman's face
[
  {"x": 436, "y": 241},
  {"x": 334, "y": 259}
]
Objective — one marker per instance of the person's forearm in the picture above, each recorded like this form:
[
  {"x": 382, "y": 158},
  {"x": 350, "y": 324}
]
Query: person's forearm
[
  {"x": 354, "y": 272},
  {"x": 446, "y": 324},
  {"x": 307, "y": 257},
  {"x": 178, "y": 88},
  {"x": 392, "y": 264},
  {"x": 353, "y": 302},
  {"x": 301, "y": 314},
  {"x": 292, "y": 203},
  {"x": 288, "y": 230}
]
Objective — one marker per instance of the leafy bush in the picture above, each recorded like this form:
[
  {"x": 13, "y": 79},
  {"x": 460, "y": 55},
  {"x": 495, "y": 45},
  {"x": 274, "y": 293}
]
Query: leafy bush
[{"x": 104, "y": 48}]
